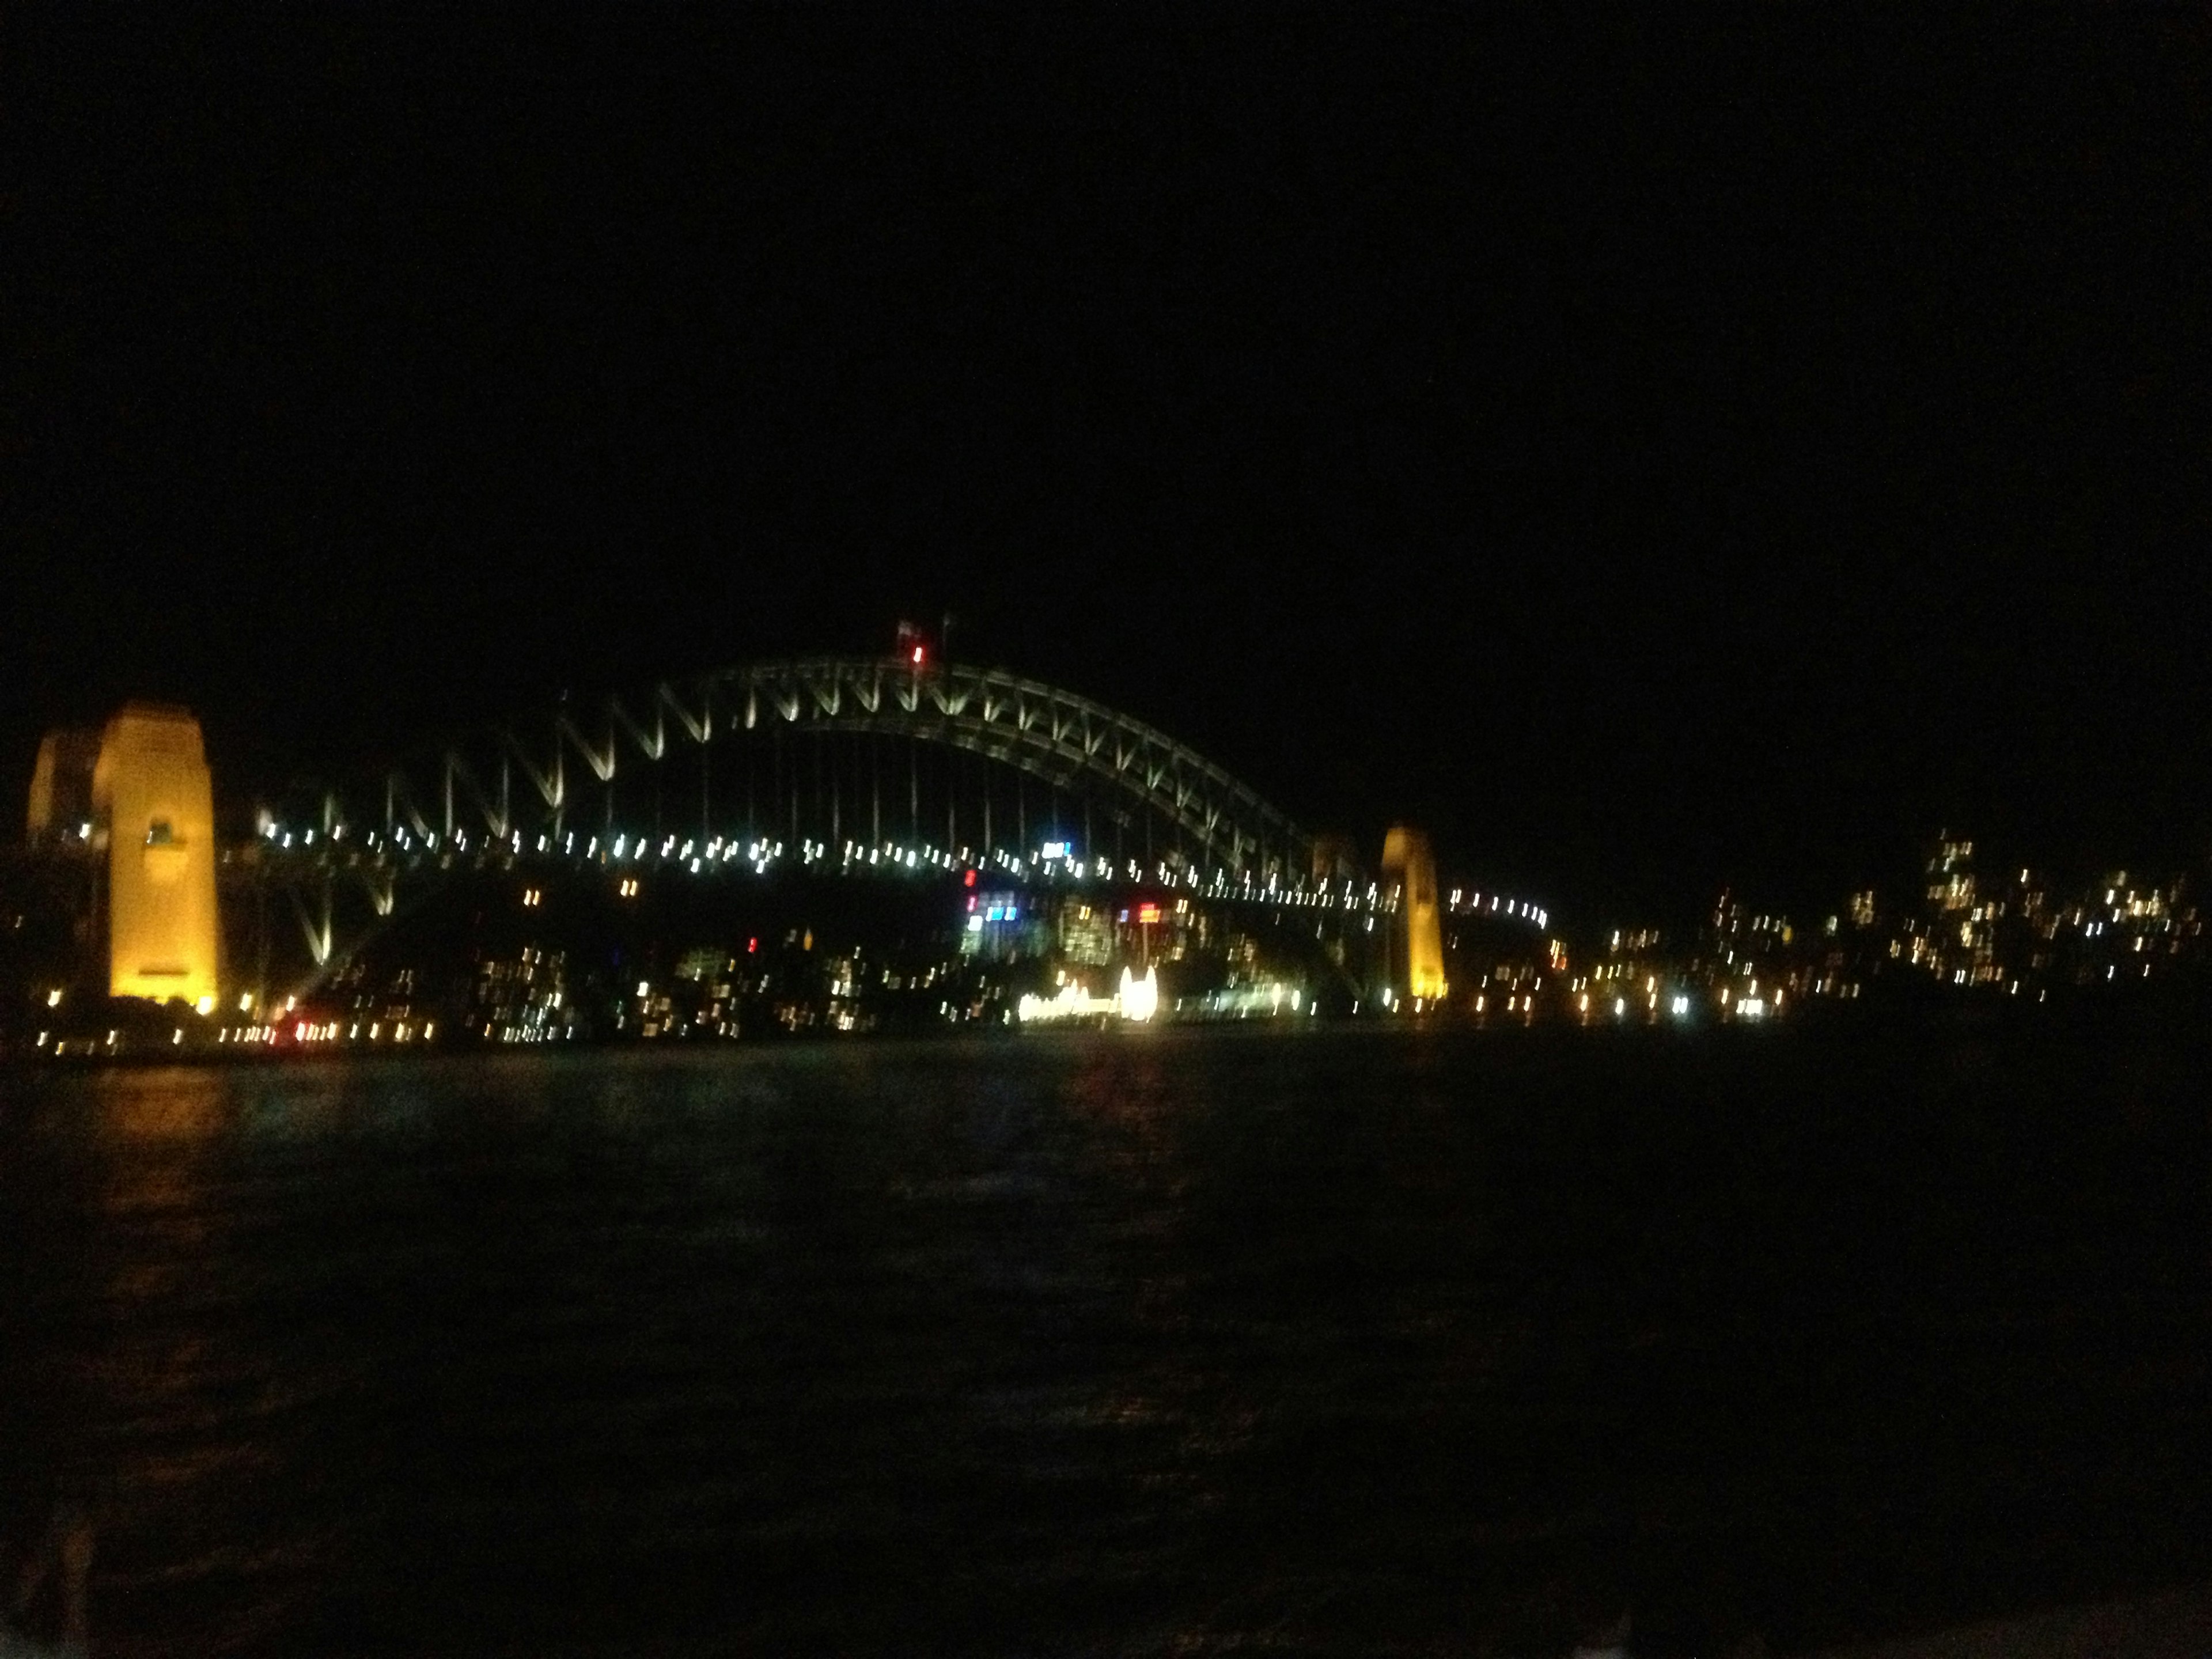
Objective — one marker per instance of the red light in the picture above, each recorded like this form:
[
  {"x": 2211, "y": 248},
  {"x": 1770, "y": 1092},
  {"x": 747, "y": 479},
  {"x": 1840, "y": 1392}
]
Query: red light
[
  {"x": 751, "y": 945},
  {"x": 971, "y": 878},
  {"x": 917, "y": 656}
]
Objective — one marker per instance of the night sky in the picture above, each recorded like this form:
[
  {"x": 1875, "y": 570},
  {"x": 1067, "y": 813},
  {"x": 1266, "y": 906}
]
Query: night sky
[{"x": 1653, "y": 461}]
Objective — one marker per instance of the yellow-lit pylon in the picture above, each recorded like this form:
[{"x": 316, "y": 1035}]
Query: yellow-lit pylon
[
  {"x": 151, "y": 791},
  {"x": 1408, "y": 862}
]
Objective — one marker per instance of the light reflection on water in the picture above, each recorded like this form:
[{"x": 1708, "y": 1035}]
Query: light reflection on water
[{"x": 1196, "y": 1340}]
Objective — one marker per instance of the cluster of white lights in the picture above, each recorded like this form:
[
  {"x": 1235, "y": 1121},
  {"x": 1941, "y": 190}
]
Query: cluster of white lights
[
  {"x": 1134, "y": 999},
  {"x": 1270, "y": 1001},
  {"x": 310, "y": 1033},
  {"x": 528, "y": 1033}
]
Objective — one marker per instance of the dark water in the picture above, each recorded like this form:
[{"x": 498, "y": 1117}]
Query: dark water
[{"x": 1348, "y": 1342}]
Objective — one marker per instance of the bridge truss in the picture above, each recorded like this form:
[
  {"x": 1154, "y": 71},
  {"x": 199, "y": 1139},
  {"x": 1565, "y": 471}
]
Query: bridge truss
[
  {"x": 844, "y": 763},
  {"x": 1096, "y": 769}
]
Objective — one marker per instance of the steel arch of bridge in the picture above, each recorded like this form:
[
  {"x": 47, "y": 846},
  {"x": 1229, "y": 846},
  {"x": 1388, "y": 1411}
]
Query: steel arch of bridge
[{"x": 1068, "y": 741}]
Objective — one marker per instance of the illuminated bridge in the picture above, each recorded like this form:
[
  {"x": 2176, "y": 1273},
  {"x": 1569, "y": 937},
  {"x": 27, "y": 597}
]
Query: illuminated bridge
[{"x": 840, "y": 763}]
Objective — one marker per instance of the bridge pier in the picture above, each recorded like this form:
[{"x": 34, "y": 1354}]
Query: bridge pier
[
  {"x": 1408, "y": 860},
  {"x": 147, "y": 802}
]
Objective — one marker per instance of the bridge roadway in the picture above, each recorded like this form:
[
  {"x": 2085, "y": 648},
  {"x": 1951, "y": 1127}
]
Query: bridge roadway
[{"x": 374, "y": 863}]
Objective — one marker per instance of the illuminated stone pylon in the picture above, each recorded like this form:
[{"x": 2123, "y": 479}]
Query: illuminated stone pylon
[
  {"x": 1408, "y": 861},
  {"x": 151, "y": 791}
]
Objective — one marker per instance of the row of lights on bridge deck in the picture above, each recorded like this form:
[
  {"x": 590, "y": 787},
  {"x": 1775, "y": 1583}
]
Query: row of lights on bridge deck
[
  {"x": 1463, "y": 904},
  {"x": 1051, "y": 860}
]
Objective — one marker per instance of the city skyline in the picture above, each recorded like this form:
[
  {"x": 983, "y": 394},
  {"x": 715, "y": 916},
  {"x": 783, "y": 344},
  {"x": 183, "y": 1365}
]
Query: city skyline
[{"x": 615, "y": 877}]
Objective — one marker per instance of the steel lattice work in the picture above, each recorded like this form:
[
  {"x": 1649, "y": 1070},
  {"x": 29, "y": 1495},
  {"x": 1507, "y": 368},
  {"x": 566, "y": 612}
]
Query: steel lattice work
[{"x": 514, "y": 782}]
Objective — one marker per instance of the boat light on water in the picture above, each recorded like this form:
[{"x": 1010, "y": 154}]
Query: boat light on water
[{"x": 1135, "y": 1000}]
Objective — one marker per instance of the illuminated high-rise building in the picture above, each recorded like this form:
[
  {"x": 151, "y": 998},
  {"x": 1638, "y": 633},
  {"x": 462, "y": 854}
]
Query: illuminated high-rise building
[
  {"x": 61, "y": 786},
  {"x": 1950, "y": 875},
  {"x": 152, "y": 795},
  {"x": 1408, "y": 861}
]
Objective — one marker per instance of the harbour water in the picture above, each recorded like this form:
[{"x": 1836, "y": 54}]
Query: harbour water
[{"x": 1114, "y": 1342}]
